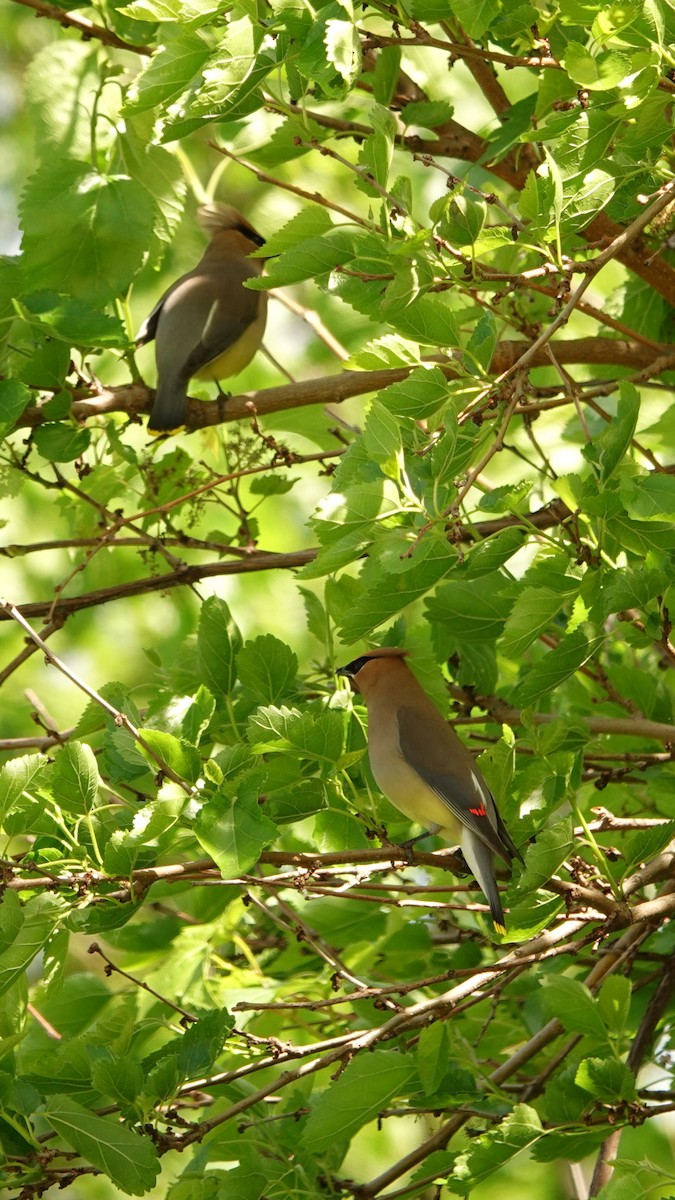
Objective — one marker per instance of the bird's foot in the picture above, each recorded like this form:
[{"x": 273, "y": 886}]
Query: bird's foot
[
  {"x": 222, "y": 397},
  {"x": 407, "y": 846}
]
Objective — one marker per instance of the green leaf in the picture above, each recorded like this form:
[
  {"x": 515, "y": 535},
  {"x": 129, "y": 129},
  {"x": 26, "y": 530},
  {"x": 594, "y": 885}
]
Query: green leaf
[
  {"x": 234, "y": 831},
  {"x": 386, "y": 74},
  {"x": 633, "y": 589},
  {"x": 75, "y": 779},
  {"x": 311, "y": 222},
  {"x": 128, "y": 1160},
  {"x": 570, "y": 654},
  {"x": 615, "y": 440},
  {"x": 14, "y": 398},
  {"x": 649, "y": 498},
  {"x": 427, "y": 113},
  {"x": 218, "y": 642},
  {"x": 16, "y": 777},
  {"x": 72, "y": 321},
  {"x": 41, "y": 915},
  {"x": 60, "y": 442},
  {"x": 644, "y": 844},
  {"x": 606, "y": 1079},
  {"x": 178, "y": 756},
  {"x": 198, "y": 716},
  {"x": 531, "y": 614},
  {"x": 475, "y": 16},
  {"x": 85, "y": 234},
  {"x": 343, "y": 49},
  {"x": 366, "y": 1086},
  {"x": 474, "y": 611},
  {"x": 432, "y": 560},
  {"x": 120, "y": 1078},
  {"x": 267, "y": 669},
  {"x": 433, "y": 1052},
  {"x": 335, "y": 830},
  {"x": 316, "y": 615},
  {"x": 519, "y": 1130},
  {"x": 571, "y": 1002},
  {"x": 128, "y": 848},
  {"x": 314, "y": 736},
  {"x": 272, "y": 485},
  {"x": 462, "y": 220},
  {"x": 483, "y": 340},
  {"x": 493, "y": 552},
  {"x": 60, "y": 87},
  {"x": 613, "y": 1003},
  {"x": 597, "y": 73},
  {"x": 552, "y": 847},
  {"x": 312, "y": 257},
  {"x": 174, "y": 64},
  {"x": 571, "y": 1145},
  {"x": 202, "y": 1042},
  {"x": 381, "y": 433}
]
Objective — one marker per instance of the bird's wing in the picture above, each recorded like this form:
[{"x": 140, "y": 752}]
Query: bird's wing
[
  {"x": 430, "y": 751},
  {"x": 148, "y": 329},
  {"x": 226, "y": 322}
]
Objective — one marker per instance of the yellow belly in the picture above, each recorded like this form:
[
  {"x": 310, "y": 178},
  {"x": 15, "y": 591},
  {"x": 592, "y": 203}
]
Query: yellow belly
[
  {"x": 236, "y": 357},
  {"x": 411, "y": 795}
]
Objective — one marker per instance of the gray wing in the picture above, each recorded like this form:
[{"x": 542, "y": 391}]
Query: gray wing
[{"x": 445, "y": 765}]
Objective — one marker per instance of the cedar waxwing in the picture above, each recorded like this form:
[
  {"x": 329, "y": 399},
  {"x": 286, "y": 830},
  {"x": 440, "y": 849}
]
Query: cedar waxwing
[
  {"x": 420, "y": 764},
  {"x": 207, "y": 324}
]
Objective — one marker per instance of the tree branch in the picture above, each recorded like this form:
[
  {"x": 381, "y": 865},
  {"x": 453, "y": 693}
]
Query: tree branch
[
  {"x": 136, "y": 399},
  {"x": 84, "y": 27}
]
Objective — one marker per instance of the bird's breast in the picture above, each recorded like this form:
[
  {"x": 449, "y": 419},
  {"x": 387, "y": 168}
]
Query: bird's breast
[{"x": 401, "y": 784}]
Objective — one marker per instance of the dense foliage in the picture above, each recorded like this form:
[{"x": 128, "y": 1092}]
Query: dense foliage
[{"x": 467, "y": 209}]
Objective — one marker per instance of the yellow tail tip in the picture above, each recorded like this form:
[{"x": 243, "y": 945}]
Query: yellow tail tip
[
  {"x": 165, "y": 432},
  {"x": 500, "y": 928}
]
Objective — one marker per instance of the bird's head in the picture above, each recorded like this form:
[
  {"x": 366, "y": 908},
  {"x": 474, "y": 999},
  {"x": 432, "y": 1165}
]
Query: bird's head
[{"x": 360, "y": 669}]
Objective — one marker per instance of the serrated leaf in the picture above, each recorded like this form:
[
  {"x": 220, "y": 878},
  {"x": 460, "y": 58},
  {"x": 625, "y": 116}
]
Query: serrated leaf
[
  {"x": 483, "y": 340},
  {"x": 571, "y": 1002},
  {"x": 130, "y": 1161},
  {"x": 179, "y": 756},
  {"x": 432, "y": 561},
  {"x": 86, "y": 234},
  {"x": 475, "y": 611},
  {"x": 598, "y": 72},
  {"x": 16, "y": 776},
  {"x": 606, "y": 1079},
  {"x": 267, "y": 669},
  {"x": 571, "y": 653},
  {"x": 613, "y": 443},
  {"x": 41, "y": 915},
  {"x": 75, "y": 778},
  {"x": 519, "y": 1130},
  {"x": 552, "y": 847},
  {"x": 314, "y": 736},
  {"x": 613, "y": 1003},
  {"x": 366, "y": 1086},
  {"x": 218, "y": 642},
  {"x": 60, "y": 442},
  {"x": 531, "y": 614},
  {"x": 234, "y": 832},
  {"x": 174, "y": 64},
  {"x": 651, "y": 498},
  {"x": 14, "y": 399},
  {"x": 433, "y": 1051}
]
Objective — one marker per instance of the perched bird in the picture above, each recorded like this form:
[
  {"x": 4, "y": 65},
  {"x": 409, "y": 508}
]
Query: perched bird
[
  {"x": 420, "y": 764},
  {"x": 207, "y": 324}
]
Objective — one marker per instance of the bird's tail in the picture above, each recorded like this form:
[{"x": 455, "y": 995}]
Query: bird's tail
[
  {"x": 481, "y": 860},
  {"x": 169, "y": 410}
]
